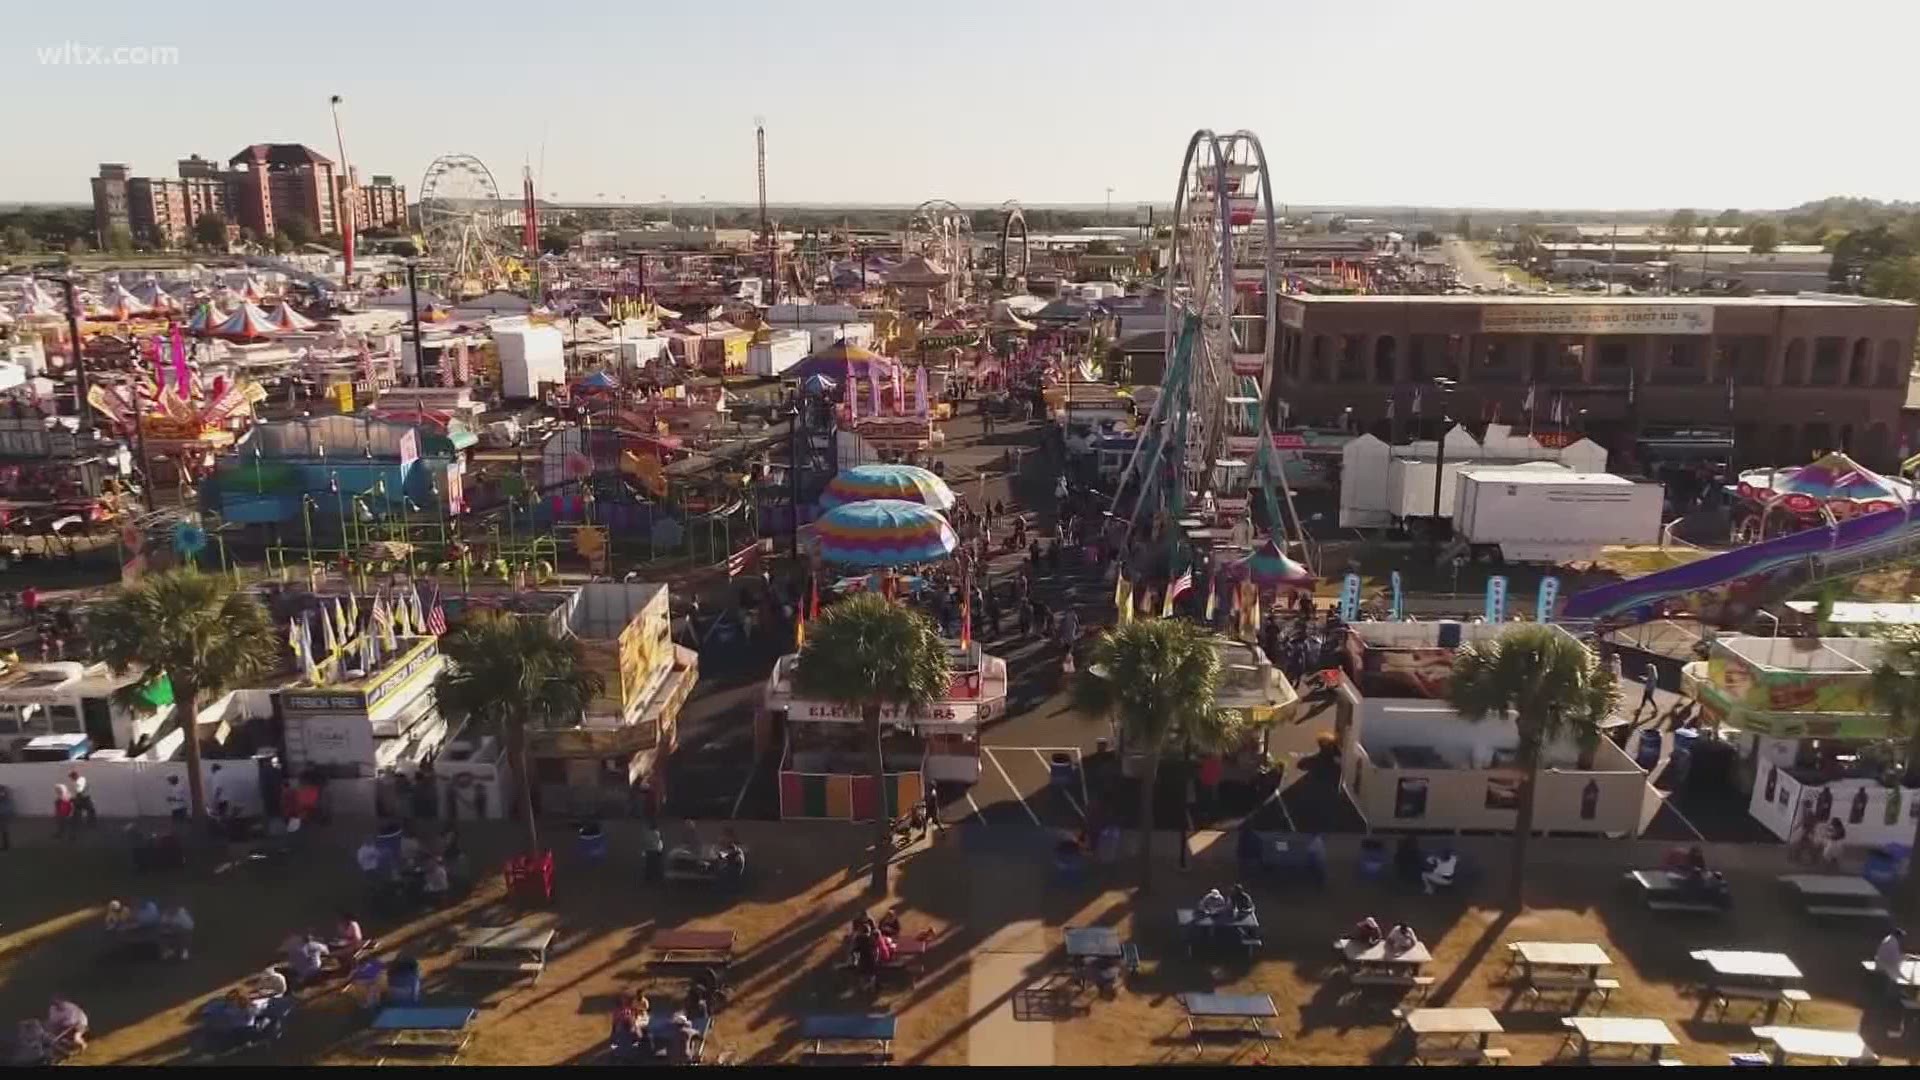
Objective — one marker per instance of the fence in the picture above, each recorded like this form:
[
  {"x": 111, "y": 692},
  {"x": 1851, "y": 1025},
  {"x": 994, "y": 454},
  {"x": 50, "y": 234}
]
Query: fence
[{"x": 127, "y": 789}]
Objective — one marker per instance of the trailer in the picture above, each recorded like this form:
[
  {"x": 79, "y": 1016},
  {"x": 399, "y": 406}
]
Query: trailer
[{"x": 1550, "y": 515}]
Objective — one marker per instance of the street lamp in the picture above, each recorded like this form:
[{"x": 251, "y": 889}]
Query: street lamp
[
  {"x": 793, "y": 479},
  {"x": 80, "y": 386},
  {"x": 413, "y": 303},
  {"x": 1443, "y": 386}
]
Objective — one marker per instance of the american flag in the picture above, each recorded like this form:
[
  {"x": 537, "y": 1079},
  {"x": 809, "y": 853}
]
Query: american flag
[{"x": 437, "y": 615}]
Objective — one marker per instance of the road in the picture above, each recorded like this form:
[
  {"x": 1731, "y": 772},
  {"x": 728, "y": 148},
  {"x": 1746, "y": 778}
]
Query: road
[{"x": 1474, "y": 270}]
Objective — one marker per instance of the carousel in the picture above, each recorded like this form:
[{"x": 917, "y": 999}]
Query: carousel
[
  {"x": 824, "y": 747},
  {"x": 1775, "y": 502}
]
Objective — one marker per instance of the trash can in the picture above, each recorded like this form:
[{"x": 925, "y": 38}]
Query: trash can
[
  {"x": 592, "y": 841},
  {"x": 1646, "y": 752},
  {"x": 1060, "y": 770}
]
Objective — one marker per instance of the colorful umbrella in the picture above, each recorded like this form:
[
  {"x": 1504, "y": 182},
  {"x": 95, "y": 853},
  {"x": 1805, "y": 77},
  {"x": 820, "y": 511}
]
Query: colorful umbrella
[
  {"x": 1270, "y": 568},
  {"x": 881, "y": 533},
  {"x": 907, "y": 483}
]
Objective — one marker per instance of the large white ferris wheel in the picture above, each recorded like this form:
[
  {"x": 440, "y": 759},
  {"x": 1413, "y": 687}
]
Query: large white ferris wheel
[
  {"x": 461, "y": 221},
  {"x": 1209, "y": 430},
  {"x": 942, "y": 233}
]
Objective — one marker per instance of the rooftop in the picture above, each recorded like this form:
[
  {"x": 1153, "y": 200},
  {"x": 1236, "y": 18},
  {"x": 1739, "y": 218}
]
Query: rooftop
[{"x": 1802, "y": 300}]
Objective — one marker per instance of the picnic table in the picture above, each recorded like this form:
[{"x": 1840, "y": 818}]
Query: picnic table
[
  {"x": 867, "y": 1035},
  {"x": 1245, "y": 929},
  {"x": 443, "y": 1028},
  {"x": 1562, "y": 965},
  {"x": 707, "y": 948},
  {"x": 518, "y": 950},
  {"x": 1833, "y": 1047},
  {"x": 1230, "y": 1014},
  {"x": 1636, "y": 1033},
  {"x": 1665, "y": 890},
  {"x": 1092, "y": 943},
  {"x": 1837, "y": 896},
  {"x": 1455, "y": 1034},
  {"x": 1752, "y": 975}
]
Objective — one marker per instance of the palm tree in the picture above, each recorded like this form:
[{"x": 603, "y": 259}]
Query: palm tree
[
  {"x": 508, "y": 673},
  {"x": 201, "y": 634},
  {"x": 1156, "y": 678},
  {"x": 1551, "y": 686},
  {"x": 867, "y": 652}
]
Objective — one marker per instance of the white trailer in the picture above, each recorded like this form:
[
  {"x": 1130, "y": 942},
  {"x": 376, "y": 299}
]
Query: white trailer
[
  {"x": 781, "y": 350},
  {"x": 1552, "y": 516},
  {"x": 530, "y": 356}
]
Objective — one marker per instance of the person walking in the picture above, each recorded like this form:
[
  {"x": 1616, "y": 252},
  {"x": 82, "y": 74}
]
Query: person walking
[
  {"x": 83, "y": 810},
  {"x": 1649, "y": 681}
]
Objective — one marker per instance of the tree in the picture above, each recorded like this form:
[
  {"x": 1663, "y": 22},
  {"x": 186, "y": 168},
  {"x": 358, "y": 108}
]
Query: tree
[
  {"x": 1729, "y": 219},
  {"x": 507, "y": 674},
  {"x": 557, "y": 241},
  {"x": 16, "y": 240},
  {"x": 1463, "y": 228},
  {"x": 1551, "y": 687},
  {"x": 1896, "y": 690},
  {"x": 868, "y": 652},
  {"x": 1155, "y": 678},
  {"x": 119, "y": 239},
  {"x": 211, "y": 232},
  {"x": 1895, "y": 277},
  {"x": 1680, "y": 225},
  {"x": 1425, "y": 238},
  {"x": 199, "y": 633},
  {"x": 296, "y": 228},
  {"x": 1763, "y": 236}
]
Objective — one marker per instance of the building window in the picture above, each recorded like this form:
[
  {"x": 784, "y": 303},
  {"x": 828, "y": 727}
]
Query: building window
[
  {"x": 1795, "y": 371},
  {"x": 1890, "y": 373},
  {"x": 1827, "y": 353}
]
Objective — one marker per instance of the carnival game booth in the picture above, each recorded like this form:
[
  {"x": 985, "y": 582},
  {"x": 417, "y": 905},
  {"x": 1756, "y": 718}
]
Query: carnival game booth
[
  {"x": 1810, "y": 740},
  {"x": 825, "y": 771},
  {"x": 1411, "y": 763}
]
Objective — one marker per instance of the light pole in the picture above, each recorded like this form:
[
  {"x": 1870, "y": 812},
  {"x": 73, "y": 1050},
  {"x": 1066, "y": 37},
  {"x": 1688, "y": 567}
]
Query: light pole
[
  {"x": 80, "y": 386},
  {"x": 413, "y": 304},
  {"x": 793, "y": 480},
  {"x": 1443, "y": 386}
]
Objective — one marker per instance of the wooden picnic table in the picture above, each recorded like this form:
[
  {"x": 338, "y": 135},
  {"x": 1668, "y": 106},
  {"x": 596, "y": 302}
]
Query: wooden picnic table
[
  {"x": 444, "y": 1028},
  {"x": 1245, "y": 929},
  {"x": 1633, "y": 1032},
  {"x": 865, "y": 1034},
  {"x": 1378, "y": 955},
  {"x": 1452, "y": 1034},
  {"x": 520, "y": 950},
  {"x": 1242, "y": 1014},
  {"x": 1767, "y": 967},
  {"x": 1562, "y": 954},
  {"x": 1838, "y": 896},
  {"x": 1092, "y": 943},
  {"x": 1572, "y": 966},
  {"x": 1836, "y": 1047},
  {"x": 703, "y": 947}
]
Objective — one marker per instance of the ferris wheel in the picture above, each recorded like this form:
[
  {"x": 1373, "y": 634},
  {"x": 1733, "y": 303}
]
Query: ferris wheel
[
  {"x": 461, "y": 222},
  {"x": 1013, "y": 231},
  {"x": 1209, "y": 429},
  {"x": 940, "y": 232}
]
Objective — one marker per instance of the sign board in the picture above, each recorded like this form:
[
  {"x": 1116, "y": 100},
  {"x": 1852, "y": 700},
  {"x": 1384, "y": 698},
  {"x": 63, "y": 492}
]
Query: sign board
[
  {"x": 1496, "y": 611},
  {"x": 938, "y": 714},
  {"x": 343, "y": 397},
  {"x": 1593, "y": 319},
  {"x": 409, "y": 449},
  {"x": 1293, "y": 313},
  {"x": 1143, "y": 214}
]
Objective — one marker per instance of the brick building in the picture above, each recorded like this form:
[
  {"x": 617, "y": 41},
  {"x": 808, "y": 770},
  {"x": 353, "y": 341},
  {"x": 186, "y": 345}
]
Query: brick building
[
  {"x": 271, "y": 183},
  {"x": 1785, "y": 375},
  {"x": 259, "y": 188},
  {"x": 381, "y": 204}
]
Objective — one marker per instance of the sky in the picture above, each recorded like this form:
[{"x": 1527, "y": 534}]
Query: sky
[{"x": 1626, "y": 104}]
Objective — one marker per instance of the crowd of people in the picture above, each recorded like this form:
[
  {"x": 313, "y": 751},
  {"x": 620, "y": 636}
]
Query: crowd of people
[{"x": 48, "y": 1041}]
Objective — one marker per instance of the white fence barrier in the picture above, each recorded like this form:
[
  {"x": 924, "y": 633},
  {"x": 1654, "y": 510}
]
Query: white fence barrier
[{"x": 125, "y": 789}]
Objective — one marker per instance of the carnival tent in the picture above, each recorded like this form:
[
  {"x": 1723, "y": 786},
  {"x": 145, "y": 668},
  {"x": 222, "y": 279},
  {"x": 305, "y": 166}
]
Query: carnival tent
[
  {"x": 1836, "y": 481},
  {"x": 841, "y": 360},
  {"x": 918, "y": 270},
  {"x": 118, "y": 305},
  {"x": 286, "y": 318},
  {"x": 247, "y": 323}
]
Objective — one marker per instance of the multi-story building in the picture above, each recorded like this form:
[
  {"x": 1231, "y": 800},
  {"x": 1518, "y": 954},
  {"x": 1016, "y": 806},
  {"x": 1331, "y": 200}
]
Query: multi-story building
[
  {"x": 381, "y": 204},
  {"x": 110, "y": 201},
  {"x": 1785, "y": 375},
  {"x": 157, "y": 210},
  {"x": 272, "y": 183}
]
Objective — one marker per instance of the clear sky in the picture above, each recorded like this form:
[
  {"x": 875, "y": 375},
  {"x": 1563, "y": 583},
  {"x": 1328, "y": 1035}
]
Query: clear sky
[{"x": 1626, "y": 103}]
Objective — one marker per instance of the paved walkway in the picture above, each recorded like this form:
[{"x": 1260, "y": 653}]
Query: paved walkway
[{"x": 1002, "y": 966}]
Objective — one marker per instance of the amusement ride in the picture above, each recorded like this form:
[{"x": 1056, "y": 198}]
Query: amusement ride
[{"x": 462, "y": 218}]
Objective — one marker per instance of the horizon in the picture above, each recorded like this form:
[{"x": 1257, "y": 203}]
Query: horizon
[{"x": 639, "y": 107}]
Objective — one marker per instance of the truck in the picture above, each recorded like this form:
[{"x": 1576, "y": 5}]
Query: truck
[{"x": 1551, "y": 515}]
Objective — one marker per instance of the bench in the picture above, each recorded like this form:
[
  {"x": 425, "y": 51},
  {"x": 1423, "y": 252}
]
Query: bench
[
  {"x": 1463, "y": 1054},
  {"x": 1599, "y": 987},
  {"x": 706, "y": 948},
  {"x": 427, "y": 1039},
  {"x": 1683, "y": 905},
  {"x": 516, "y": 967},
  {"x": 1832, "y": 911},
  {"x": 1392, "y": 980},
  {"x": 1723, "y": 996}
]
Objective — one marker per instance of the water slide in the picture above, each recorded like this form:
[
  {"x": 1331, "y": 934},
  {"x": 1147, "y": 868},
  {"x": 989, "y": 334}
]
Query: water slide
[{"x": 1735, "y": 582}]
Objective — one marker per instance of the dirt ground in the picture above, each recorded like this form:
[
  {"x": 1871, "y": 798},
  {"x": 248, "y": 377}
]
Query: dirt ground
[{"x": 805, "y": 886}]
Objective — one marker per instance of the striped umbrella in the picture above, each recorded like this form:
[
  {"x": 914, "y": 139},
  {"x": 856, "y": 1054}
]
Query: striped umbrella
[
  {"x": 1270, "y": 568},
  {"x": 908, "y": 483},
  {"x": 881, "y": 533}
]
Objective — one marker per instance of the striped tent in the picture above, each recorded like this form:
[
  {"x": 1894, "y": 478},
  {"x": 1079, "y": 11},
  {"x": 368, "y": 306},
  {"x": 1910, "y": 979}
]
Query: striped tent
[
  {"x": 247, "y": 323},
  {"x": 287, "y": 319}
]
